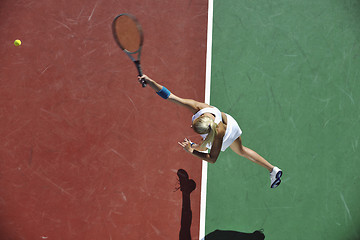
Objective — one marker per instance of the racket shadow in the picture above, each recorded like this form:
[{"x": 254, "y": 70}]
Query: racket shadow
[{"x": 234, "y": 235}]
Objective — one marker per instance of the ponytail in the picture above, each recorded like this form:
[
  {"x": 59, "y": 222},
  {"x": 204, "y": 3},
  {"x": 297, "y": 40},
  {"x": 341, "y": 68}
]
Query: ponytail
[{"x": 203, "y": 125}]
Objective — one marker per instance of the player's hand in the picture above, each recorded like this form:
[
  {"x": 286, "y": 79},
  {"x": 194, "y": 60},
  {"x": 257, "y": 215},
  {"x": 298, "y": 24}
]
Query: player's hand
[
  {"x": 186, "y": 144},
  {"x": 144, "y": 79}
]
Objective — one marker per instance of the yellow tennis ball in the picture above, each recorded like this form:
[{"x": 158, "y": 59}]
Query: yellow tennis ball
[{"x": 17, "y": 42}]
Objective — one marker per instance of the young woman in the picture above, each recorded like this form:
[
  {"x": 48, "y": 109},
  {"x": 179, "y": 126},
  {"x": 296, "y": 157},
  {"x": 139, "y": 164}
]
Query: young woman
[{"x": 218, "y": 130}]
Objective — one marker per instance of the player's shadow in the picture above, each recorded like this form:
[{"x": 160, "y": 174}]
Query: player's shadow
[{"x": 187, "y": 186}]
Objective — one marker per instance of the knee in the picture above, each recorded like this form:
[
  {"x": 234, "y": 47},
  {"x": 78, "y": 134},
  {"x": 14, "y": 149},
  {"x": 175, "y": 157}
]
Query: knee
[{"x": 242, "y": 151}]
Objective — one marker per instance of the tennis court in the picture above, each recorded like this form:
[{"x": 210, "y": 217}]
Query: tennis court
[
  {"x": 288, "y": 72},
  {"x": 87, "y": 153}
]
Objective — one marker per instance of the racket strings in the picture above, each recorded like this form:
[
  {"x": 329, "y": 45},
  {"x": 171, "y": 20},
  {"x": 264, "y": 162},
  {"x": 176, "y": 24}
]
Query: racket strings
[{"x": 128, "y": 33}]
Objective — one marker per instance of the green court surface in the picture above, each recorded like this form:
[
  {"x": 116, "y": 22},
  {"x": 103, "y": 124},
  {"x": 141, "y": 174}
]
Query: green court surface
[{"x": 289, "y": 73}]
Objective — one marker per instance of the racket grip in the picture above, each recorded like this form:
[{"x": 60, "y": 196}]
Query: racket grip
[{"x": 138, "y": 67}]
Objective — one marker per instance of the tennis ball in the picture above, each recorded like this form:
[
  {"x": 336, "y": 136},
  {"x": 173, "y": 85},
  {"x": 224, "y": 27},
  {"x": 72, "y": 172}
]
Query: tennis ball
[{"x": 17, "y": 42}]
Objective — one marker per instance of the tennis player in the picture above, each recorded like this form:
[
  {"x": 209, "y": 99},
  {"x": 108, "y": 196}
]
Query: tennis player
[{"x": 218, "y": 130}]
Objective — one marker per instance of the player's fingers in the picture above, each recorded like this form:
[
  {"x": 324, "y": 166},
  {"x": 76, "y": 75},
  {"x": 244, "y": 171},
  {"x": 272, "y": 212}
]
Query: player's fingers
[{"x": 143, "y": 79}]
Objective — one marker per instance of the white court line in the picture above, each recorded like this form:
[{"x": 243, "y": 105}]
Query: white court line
[{"x": 207, "y": 100}]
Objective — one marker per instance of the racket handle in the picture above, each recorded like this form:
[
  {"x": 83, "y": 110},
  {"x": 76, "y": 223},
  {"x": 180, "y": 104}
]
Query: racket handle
[{"x": 138, "y": 66}]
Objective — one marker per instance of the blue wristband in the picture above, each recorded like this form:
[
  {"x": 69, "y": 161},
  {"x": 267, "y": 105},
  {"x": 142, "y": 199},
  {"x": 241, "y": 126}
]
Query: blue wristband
[{"x": 164, "y": 93}]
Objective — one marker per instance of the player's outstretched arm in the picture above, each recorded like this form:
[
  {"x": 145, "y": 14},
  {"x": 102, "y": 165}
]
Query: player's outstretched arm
[{"x": 163, "y": 92}]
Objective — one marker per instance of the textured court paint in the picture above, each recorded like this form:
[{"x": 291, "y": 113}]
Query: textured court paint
[
  {"x": 85, "y": 151},
  {"x": 289, "y": 72}
]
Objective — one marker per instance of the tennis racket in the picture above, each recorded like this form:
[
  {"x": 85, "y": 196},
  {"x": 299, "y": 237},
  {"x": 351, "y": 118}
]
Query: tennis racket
[{"x": 129, "y": 36}]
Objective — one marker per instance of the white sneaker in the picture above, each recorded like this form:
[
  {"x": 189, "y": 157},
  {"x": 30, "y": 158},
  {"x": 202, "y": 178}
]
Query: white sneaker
[{"x": 275, "y": 176}]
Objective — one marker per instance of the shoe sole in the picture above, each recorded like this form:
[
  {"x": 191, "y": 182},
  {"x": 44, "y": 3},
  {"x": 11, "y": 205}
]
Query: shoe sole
[{"x": 277, "y": 181}]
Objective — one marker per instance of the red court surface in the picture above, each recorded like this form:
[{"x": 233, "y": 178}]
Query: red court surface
[{"x": 85, "y": 151}]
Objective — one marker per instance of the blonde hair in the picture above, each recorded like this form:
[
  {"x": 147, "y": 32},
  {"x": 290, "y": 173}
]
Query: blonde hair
[{"x": 203, "y": 125}]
